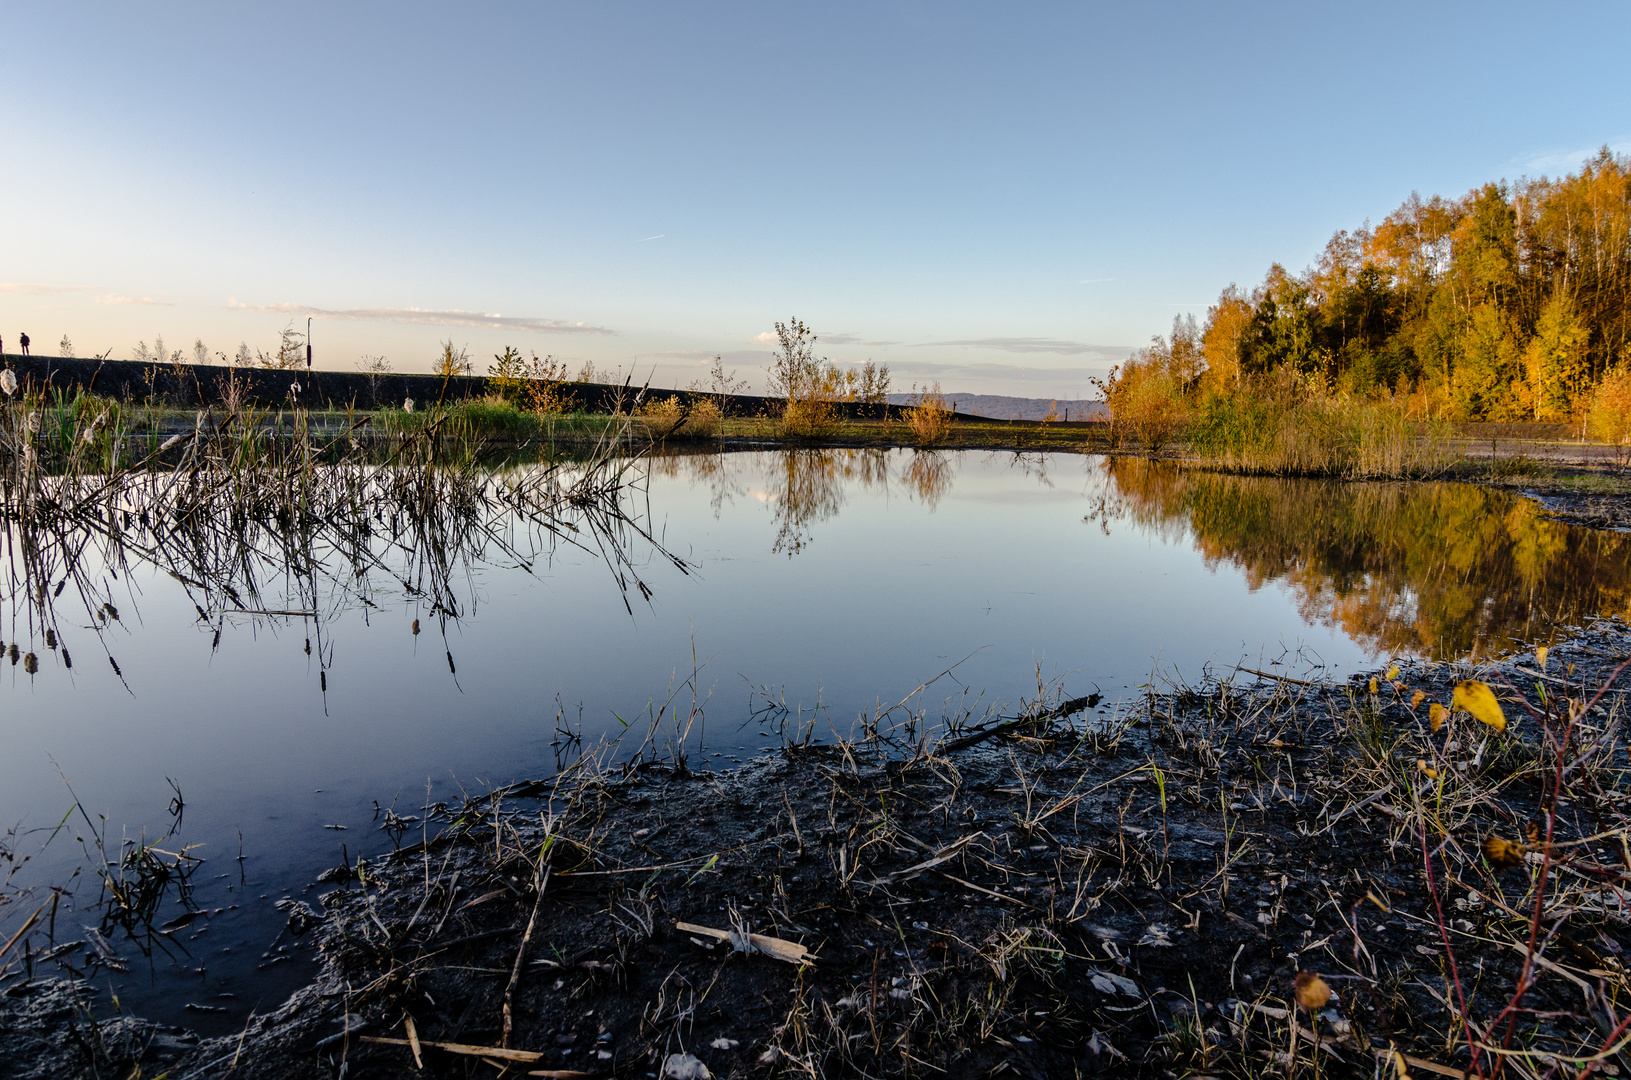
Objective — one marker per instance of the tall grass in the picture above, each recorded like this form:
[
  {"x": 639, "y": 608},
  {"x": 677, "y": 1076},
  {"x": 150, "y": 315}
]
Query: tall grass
[
  {"x": 230, "y": 503},
  {"x": 1288, "y": 434}
]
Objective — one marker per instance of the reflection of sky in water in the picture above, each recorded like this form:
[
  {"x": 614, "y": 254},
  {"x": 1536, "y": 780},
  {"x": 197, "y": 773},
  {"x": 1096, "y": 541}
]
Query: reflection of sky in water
[{"x": 851, "y": 582}]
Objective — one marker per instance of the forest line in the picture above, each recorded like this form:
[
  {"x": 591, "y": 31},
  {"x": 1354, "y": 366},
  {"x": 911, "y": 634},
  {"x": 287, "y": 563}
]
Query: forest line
[{"x": 1512, "y": 302}]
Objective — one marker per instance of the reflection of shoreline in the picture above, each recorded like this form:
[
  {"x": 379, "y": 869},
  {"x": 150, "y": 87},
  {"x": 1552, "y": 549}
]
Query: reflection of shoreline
[
  {"x": 806, "y": 486},
  {"x": 1436, "y": 569}
]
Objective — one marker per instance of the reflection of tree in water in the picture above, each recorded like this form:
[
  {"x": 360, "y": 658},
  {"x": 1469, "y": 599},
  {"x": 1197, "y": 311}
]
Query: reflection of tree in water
[
  {"x": 1443, "y": 570},
  {"x": 928, "y": 474},
  {"x": 710, "y": 468},
  {"x": 807, "y": 488},
  {"x": 1030, "y": 466}
]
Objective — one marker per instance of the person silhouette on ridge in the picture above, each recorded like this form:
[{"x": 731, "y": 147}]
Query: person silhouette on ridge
[{"x": 22, "y": 339}]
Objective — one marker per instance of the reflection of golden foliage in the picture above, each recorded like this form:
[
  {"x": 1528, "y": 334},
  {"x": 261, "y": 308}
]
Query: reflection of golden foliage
[
  {"x": 1434, "y": 569},
  {"x": 929, "y": 475}
]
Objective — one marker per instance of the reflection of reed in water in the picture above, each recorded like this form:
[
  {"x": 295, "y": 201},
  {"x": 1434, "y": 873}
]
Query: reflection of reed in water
[
  {"x": 231, "y": 514},
  {"x": 1436, "y": 569}
]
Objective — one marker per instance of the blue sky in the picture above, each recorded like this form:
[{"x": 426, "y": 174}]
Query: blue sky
[{"x": 1006, "y": 198}]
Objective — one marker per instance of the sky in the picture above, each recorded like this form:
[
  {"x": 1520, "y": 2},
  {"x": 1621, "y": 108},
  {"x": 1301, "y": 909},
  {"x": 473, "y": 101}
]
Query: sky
[{"x": 1002, "y": 198}]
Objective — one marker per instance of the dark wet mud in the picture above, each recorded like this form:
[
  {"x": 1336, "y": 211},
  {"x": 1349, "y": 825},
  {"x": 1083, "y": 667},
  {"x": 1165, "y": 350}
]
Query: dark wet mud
[{"x": 1133, "y": 894}]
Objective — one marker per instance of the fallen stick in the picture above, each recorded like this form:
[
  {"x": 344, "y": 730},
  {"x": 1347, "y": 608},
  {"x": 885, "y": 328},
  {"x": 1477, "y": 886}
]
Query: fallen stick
[
  {"x": 1281, "y": 678},
  {"x": 1074, "y": 705},
  {"x": 524, "y": 1057},
  {"x": 945, "y": 854},
  {"x": 790, "y": 951}
]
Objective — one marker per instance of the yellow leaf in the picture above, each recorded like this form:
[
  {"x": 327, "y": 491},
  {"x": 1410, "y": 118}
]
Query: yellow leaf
[
  {"x": 1540, "y": 657},
  {"x": 1503, "y": 854},
  {"x": 1432, "y": 773},
  {"x": 1373, "y": 686},
  {"x": 1437, "y": 715},
  {"x": 1477, "y": 698},
  {"x": 1417, "y": 698},
  {"x": 1311, "y": 991},
  {"x": 1392, "y": 672}
]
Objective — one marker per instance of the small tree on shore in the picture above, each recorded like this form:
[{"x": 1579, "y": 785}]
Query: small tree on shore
[{"x": 454, "y": 360}]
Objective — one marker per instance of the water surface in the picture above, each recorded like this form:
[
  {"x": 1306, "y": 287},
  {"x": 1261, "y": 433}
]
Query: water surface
[{"x": 828, "y": 581}]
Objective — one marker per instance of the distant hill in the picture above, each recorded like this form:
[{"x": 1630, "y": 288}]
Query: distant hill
[{"x": 998, "y": 407}]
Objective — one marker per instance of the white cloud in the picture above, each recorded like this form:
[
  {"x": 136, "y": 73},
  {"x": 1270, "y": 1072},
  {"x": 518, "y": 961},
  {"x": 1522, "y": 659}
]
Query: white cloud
[
  {"x": 143, "y": 301},
  {"x": 766, "y": 338},
  {"x": 1561, "y": 162},
  {"x": 451, "y": 317}
]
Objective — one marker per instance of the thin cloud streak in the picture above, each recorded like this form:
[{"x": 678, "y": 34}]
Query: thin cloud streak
[
  {"x": 1558, "y": 163},
  {"x": 144, "y": 301},
  {"x": 451, "y": 317},
  {"x": 1056, "y": 346},
  {"x": 18, "y": 288}
]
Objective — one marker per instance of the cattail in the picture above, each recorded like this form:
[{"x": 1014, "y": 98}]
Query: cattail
[
  {"x": 31, "y": 663},
  {"x": 1311, "y": 991},
  {"x": 8, "y": 381},
  {"x": 67, "y": 661},
  {"x": 308, "y": 646},
  {"x": 50, "y": 639},
  {"x": 416, "y": 628},
  {"x": 13, "y": 654},
  {"x": 407, "y": 405},
  {"x": 322, "y": 681}
]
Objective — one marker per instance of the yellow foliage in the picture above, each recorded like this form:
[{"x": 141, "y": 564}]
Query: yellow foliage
[
  {"x": 808, "y": 416},
  {"x": 1609, "y": 416},
  {"x": 1503, "y": 854},
  {"x": 1476, "y": 698},
  {"x": 930, "y": 420},
  {"x": 1311, "y": 991},
  {"x": 705, "y": 418}
]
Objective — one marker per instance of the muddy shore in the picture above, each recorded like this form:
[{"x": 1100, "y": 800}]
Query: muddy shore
[{"x": 1079, "y": 891}]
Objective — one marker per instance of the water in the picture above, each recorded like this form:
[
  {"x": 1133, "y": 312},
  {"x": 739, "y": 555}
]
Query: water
[{"x": 829, "y": 580}]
